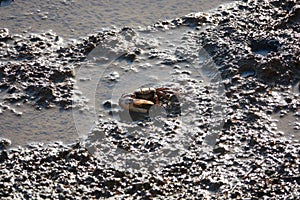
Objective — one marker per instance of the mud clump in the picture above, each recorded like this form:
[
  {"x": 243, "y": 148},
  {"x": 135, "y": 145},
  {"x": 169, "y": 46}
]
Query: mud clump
[
  {"x": 255, "y": 46},
  {"x": 31, "y": 71},
  {"x": 270, "y": 51},
  {"x": 40, "y": 68}
]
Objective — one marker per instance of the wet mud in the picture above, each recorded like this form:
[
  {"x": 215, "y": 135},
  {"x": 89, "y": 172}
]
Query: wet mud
[{"x": 237, "y": 79}]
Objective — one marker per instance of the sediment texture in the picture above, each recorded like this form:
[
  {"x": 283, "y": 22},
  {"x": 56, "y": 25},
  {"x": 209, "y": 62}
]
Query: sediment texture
[{"x": 256, "y": 49}]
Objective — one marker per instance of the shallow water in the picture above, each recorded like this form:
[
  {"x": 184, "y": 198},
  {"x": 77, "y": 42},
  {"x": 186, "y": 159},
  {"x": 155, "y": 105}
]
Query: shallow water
[
  {"x": 289, "y": 125},
  {"x": 74, "y": 19},
  {"x": 38, "y": 126}
]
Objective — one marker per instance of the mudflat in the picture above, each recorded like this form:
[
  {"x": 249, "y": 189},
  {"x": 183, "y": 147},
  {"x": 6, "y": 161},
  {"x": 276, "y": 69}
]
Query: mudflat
[{"x": 236, "y": 74}]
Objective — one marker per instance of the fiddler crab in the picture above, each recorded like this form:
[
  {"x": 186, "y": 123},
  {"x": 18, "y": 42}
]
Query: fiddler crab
[{"x": 141, "y": 100}]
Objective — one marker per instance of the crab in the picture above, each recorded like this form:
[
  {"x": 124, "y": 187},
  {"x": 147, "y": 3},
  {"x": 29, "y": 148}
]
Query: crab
[{"x": 142, "y": 99}]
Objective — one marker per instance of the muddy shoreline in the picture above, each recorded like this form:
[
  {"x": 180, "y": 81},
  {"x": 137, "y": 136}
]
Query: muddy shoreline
[{"x": 254, "y": 47}]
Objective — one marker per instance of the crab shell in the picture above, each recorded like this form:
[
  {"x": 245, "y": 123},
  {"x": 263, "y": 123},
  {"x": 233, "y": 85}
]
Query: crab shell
[
  {"x": 145, "y": 93},
  {"x": 142, "y": 99}
]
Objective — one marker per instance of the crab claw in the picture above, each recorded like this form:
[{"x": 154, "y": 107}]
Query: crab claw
[
  {"x": 140, "y": 105},
  {"x": 135, "y": 105}
]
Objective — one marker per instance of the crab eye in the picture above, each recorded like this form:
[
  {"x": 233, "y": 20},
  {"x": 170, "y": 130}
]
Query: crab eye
[{"x": 128, "y": 100}]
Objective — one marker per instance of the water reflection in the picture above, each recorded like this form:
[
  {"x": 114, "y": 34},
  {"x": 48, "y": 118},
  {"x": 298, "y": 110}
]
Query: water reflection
[{"x": 5, "y": 2}]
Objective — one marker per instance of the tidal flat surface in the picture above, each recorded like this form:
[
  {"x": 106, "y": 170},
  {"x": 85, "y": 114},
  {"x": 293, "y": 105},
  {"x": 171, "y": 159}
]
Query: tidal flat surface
[
  {"x": 233, "y": 75},
  {"x": 72, "y": 20}
]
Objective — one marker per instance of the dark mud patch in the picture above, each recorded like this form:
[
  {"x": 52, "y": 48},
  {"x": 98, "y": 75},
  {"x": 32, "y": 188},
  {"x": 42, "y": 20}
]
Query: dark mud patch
[{"x": 263, "y": 47}]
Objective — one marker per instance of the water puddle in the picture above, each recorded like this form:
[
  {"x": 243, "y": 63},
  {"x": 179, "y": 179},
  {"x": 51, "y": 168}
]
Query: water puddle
[
  {"x": 289, "y": 124},
  {"x": 41, "y": 126}
]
